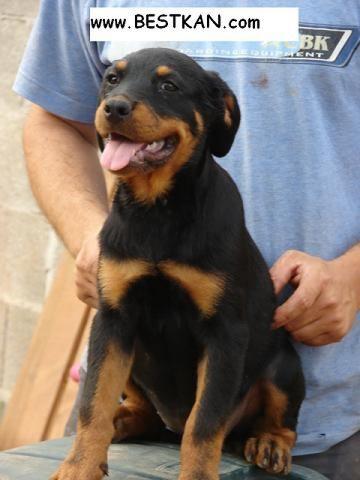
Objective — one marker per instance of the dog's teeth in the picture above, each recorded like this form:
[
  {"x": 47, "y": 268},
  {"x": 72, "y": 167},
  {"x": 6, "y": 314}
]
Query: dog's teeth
[{"x": 155, "y": 146}]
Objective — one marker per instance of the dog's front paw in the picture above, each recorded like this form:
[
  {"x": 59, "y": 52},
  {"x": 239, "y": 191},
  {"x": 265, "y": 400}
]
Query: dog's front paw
[
  {"x": 270, "y": 452},
  {"x": 69, "y": 470}
]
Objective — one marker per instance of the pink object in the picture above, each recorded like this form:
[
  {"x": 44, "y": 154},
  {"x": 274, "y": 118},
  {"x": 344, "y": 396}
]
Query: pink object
[
  {"x": 75, "y": 372},
  {"x": 117, "y": 153}
]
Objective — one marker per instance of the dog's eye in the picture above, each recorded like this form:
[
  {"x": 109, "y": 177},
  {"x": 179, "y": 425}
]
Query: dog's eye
[
  {"x": 168, "y": 86},
  {"x": 112, "y": 78}
]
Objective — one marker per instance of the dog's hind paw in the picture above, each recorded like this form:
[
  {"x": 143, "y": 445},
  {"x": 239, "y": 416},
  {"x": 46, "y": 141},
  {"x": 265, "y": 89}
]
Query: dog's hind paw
[{"x": 132, "y": 421}]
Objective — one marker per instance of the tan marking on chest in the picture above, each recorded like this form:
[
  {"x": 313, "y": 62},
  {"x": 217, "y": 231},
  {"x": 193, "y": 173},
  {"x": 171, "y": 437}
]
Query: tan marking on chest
[
  {"x": 204, "y": 288},
  {"x": 116, "y": 277}
]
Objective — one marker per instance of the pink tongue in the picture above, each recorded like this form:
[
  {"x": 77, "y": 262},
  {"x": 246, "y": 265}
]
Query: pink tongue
[{"x": 117, "y": 153}]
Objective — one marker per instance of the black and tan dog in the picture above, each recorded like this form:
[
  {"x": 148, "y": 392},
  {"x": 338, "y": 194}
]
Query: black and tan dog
[{"x": 184, "y": 326}]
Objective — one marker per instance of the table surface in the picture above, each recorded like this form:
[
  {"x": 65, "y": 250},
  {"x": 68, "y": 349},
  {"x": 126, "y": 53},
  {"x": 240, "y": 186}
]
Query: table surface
[{"x": 128, "y": 461}]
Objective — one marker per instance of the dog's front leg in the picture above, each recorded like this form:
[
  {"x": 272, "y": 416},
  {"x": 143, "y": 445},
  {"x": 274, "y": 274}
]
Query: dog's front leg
[
  {"x": 109, "y": 365},
  {"x": 219, "y": 380}
]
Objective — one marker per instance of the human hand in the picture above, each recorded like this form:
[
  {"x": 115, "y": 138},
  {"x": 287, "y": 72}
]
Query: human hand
[
  {"x": 323, "y": 307},
  {"x": 86, "y": 266}
]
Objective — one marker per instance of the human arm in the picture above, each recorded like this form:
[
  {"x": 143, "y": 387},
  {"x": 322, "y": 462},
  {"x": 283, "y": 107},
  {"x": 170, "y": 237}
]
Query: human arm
[
  {"x": 323, "y": 307},
  {"x": 67, "y": 181}
]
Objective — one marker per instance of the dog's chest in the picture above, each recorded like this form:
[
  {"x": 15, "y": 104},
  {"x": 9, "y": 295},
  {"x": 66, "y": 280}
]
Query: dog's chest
[
  {"x": 165, "y": 369},
  {"x": 149, "y": 283}
]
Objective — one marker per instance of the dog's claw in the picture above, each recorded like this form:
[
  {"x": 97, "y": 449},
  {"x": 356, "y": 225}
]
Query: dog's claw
[{"x": 266, "y": 458}]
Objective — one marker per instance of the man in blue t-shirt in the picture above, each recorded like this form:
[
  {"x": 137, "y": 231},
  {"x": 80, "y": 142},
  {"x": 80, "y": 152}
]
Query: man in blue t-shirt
[{"x": 295, "y": 161}]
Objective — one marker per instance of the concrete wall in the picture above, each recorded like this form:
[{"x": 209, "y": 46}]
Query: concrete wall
[{"x": 28, "y": 247}]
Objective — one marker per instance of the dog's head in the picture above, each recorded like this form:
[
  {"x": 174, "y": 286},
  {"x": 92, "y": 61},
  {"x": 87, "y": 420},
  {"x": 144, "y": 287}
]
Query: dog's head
[{"x": 158, "y": 107}]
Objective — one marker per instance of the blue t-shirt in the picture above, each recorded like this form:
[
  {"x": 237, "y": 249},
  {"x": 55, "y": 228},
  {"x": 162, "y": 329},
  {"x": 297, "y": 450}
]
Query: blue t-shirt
[{"x": 296, "y": 158}]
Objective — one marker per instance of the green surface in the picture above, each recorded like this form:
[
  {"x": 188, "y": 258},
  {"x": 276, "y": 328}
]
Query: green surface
[{"x": 132, "y": 461}]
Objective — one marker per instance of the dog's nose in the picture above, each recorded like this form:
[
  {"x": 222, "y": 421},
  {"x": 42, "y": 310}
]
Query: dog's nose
[{"x": 116, "y": 109}]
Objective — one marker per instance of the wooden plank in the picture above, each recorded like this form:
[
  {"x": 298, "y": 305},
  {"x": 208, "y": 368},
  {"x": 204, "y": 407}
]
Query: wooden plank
[
  {"x": 45, "y": 369},
  {"x": 64, "y": 404}
]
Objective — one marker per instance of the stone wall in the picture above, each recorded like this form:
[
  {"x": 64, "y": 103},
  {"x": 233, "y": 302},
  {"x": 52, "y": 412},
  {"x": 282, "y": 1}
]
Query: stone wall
[{"x": 28, "y": 247}]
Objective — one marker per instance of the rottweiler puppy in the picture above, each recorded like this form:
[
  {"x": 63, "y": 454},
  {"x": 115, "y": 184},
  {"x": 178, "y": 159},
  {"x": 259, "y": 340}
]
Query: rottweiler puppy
[{"x": 186, "y": 301}]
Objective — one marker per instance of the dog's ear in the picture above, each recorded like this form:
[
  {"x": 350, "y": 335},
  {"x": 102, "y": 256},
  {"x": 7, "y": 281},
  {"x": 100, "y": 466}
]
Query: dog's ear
[{"x": 227, "y": 116}]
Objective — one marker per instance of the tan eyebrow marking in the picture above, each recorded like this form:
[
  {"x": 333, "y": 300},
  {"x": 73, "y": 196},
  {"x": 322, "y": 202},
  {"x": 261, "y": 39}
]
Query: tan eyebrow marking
[
  {"x": 163, "y": 70},
  {"x": 121, "y": 65}
]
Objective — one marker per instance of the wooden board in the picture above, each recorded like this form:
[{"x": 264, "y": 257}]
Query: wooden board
[
  {"x": 66, "y": 398},
  {"x": 42, "y": 395}
]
